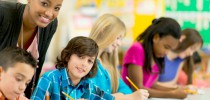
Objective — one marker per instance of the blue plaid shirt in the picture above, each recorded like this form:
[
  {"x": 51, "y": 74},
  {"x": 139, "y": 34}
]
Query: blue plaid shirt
[{"x": 56, "y": 81}]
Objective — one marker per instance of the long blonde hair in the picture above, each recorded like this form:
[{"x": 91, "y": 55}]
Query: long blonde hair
[{"x": 105, "y": 31}]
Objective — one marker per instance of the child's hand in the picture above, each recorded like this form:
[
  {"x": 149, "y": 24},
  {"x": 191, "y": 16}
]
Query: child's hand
[
  {"x": 180, "y": 93},
  {"x": 140, "y": 94},
  {"x": 190, "y": 87}
]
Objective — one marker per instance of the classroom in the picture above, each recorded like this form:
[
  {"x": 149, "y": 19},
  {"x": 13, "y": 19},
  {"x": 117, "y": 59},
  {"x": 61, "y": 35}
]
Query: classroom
[{"x": 104, "y": 50}]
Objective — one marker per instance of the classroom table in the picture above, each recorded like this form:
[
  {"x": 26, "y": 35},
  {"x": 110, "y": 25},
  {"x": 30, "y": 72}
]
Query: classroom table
[{"x": 205, "y": 96}]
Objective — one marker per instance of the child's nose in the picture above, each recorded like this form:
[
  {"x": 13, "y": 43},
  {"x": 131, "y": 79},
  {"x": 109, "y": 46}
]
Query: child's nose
[
  {"x": 166, "y": 52},
  {"x": 84, "y": 63},
  {"x": 22, "y": 87}
]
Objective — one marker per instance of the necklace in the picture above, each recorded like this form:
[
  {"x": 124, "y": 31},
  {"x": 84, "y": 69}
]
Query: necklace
[{"x": 34, "y": 77}]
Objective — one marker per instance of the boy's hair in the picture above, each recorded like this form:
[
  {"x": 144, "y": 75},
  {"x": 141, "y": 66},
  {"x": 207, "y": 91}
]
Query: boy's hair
[
  {"x": 192, "y": 37},
  {"x": 81, "y": 46},
  {"x": 12, "y": 55},
  {"x": 163, "y": 26}
]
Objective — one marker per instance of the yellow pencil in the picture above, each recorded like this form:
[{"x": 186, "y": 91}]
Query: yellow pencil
[
  {"x": 132, "y": 83},
  {"x": 68, "y": 96},
  {"x": 191, "y": 91},
  {"x": 47, "y": 96}
]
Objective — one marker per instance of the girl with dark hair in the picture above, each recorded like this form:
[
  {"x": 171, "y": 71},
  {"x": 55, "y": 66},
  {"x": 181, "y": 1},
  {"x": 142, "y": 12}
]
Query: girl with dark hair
[
  {"x": 175, "y": 60},
  {"x": 144, "y": 60}
]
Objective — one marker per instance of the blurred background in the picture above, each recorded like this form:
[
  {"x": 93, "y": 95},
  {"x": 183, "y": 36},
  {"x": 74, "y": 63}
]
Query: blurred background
[{"x": 77, "y": 16}]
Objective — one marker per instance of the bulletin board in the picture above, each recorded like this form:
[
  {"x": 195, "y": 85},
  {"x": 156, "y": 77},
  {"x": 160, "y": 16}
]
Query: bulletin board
[{"x": 191, "y": 14}]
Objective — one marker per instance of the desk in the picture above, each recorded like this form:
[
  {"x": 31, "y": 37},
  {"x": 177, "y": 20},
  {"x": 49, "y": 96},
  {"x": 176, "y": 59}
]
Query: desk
[{"x": 205, "y": 96}]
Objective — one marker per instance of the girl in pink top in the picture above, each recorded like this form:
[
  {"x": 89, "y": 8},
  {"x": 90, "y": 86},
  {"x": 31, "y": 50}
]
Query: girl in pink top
[{"x": 144, "y": 60}]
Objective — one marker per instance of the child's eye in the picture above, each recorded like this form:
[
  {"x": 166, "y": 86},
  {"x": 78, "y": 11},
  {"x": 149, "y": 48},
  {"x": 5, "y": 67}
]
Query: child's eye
[
  {"x": 18, "y": 79},
  {"x": 44, "y": 4},
  {"x": 90, "y": 61},
  {"x": 167, "y": 47}
]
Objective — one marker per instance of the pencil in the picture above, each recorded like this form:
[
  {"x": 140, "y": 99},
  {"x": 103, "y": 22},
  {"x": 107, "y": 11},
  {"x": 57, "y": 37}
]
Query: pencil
[
  {"x": 191, "y": 91},
  {"x": 47, "y": 96},
  {"x": 67, "y": 96},
  {"x": 131, "y": 83}
]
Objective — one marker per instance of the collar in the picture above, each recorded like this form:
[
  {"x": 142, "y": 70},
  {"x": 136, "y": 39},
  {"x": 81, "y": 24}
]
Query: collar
[{"x": 66, "y": 81}]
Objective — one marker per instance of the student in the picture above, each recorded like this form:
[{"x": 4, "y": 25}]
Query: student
[
  {"x": 76, "y": 65},
  {"x": 185, "y": 76},
  {"x": 143, "y": 62},
  {"x": 30, "y": 26},
  {"x": 16, "y": 71},
  {"x": 108, "y": 31},
  {"x": 191, "y": 41}
]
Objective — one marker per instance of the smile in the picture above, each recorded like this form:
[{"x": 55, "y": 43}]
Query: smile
[
  {"x": 44, "y": 20},
  {"x": 80, "y": 69}
]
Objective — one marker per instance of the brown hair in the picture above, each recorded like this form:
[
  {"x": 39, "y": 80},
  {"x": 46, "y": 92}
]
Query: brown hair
[
  {"x": 11, "y": 55},
  {"x": 192, "y": 37},
  {"x": 81, "y": 46}
]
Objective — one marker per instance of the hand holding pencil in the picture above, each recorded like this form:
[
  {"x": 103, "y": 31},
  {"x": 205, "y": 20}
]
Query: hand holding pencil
[
  {"x": 131, "y": 83},
  {"x": 139, "y": 94},
  {"x": 67, "y": 96}
]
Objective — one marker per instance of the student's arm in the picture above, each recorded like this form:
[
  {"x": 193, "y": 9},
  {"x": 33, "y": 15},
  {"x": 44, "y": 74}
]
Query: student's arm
[
  {"x": 158, "y": 86},
  {"x": 137, "y": 95},
  {"x": 167, "y": 84},
  {"x": 125, "y": 93},
  {"x": 135, "y": 73},
  {"x": 41, "y": 88},
  {"x": 123, "y": 88}
]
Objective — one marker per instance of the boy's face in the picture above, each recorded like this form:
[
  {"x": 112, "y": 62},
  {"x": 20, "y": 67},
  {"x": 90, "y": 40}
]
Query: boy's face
[
  {"x": 79, "y": 66},
  {"x": 14, "y": 81}
]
